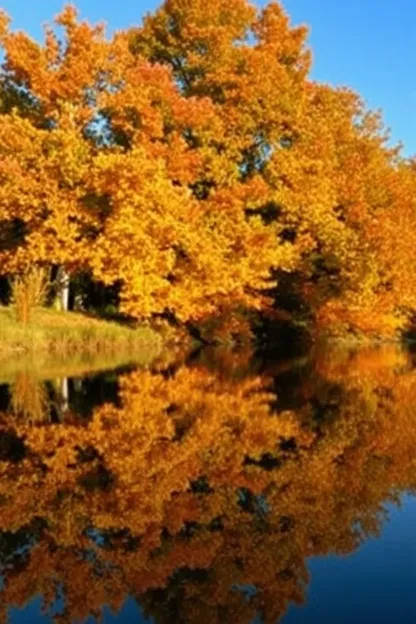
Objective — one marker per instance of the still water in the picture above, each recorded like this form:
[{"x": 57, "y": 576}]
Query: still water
[{"x": 223, "y": 489}]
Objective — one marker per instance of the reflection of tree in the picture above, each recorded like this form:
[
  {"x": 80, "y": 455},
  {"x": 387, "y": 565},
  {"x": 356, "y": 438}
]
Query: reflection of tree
[
  {"x": 29, "y": 398},
  {"x": 197, "y": 498}
]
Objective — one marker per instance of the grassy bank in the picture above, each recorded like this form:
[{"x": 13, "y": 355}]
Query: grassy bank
[{"x": 70, "y": 333}]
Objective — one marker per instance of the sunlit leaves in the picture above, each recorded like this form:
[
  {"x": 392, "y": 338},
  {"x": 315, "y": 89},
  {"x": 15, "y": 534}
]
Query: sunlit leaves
[{"x": 192, "y": 159}]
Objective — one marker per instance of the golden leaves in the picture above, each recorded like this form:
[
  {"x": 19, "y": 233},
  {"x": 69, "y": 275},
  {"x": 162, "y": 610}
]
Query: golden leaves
[{"x": 192, "y": 159}]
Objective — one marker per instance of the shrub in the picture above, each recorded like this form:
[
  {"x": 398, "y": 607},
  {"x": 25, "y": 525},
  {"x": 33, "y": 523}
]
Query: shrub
[{"x": 28, "y": 291}]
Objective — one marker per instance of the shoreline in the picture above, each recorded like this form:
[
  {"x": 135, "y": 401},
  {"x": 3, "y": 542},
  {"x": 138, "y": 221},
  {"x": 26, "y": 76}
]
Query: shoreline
[{"x": 70, "y": 333}]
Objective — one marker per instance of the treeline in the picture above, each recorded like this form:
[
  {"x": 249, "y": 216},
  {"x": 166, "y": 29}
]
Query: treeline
[{"x": 192, "y": 165}]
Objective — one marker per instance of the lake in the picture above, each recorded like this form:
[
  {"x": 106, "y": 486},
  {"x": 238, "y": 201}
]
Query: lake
[{"x": 217, "y": 488}]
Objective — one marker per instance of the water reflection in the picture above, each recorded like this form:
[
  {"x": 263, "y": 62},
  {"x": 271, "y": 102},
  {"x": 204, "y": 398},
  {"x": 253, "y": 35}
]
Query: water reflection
[{"x": 199, "y": 491}]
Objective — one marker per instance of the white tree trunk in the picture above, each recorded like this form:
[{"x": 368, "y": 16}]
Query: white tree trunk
[
  {"x": 63, "y": 281},
  {"x": 65, "y": 394},
  {"x": 62, "y": 397}
]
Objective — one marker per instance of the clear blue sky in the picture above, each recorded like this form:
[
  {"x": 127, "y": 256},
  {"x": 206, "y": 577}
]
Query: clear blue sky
[{"x": 368, "y": 45}]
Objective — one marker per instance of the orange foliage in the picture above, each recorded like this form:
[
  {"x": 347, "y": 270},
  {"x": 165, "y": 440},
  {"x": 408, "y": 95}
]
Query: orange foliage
[
  {"x": 192, "y": 160},
  {"x": 337, "y": 193},
  {"x": 100, "y": 171}
]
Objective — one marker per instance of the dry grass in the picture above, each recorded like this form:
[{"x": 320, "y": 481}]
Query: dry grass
[{"x": 67, "y": 334}]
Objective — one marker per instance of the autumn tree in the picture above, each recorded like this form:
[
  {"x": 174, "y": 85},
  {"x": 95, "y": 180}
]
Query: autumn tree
[
  {"x": 333, "y": 187},
  {"x": 101, "y": 173},
  {"x": 192, "y": 162}
]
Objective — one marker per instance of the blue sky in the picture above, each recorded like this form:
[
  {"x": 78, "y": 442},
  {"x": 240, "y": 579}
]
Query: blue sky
[{"x": 368, "y": 45}]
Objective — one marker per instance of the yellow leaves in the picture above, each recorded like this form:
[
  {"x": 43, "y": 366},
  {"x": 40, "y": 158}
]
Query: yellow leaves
[
  {"x": 4, "y": 24},
  {"x": 68, "y": 17},
  {"x": 41, "y": 172},
  {"x": 274, "y": 31},
  {"x": 154, "y": 236},
  {"x": 192, "y": 159},
  {"x": 321, "y": 154},
  {"x": 58, "y": 70}
]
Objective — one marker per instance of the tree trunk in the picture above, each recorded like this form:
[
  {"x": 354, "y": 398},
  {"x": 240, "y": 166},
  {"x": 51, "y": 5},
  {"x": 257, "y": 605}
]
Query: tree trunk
[
  {"x": 63, "y": 285},
  {"x": 65, "y": 394}
]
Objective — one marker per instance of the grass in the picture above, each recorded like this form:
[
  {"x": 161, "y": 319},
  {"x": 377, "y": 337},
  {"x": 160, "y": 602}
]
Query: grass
[{"x": 58, "y": 334}]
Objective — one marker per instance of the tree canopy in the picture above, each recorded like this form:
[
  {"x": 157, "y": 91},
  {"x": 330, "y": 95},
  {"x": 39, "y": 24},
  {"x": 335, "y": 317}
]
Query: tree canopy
[{"x": 193, "y": 161}]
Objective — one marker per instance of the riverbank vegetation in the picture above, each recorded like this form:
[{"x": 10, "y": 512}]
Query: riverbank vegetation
[
  {"x": 192, "y": 170},
  {"x": 69, "y": 334}
]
